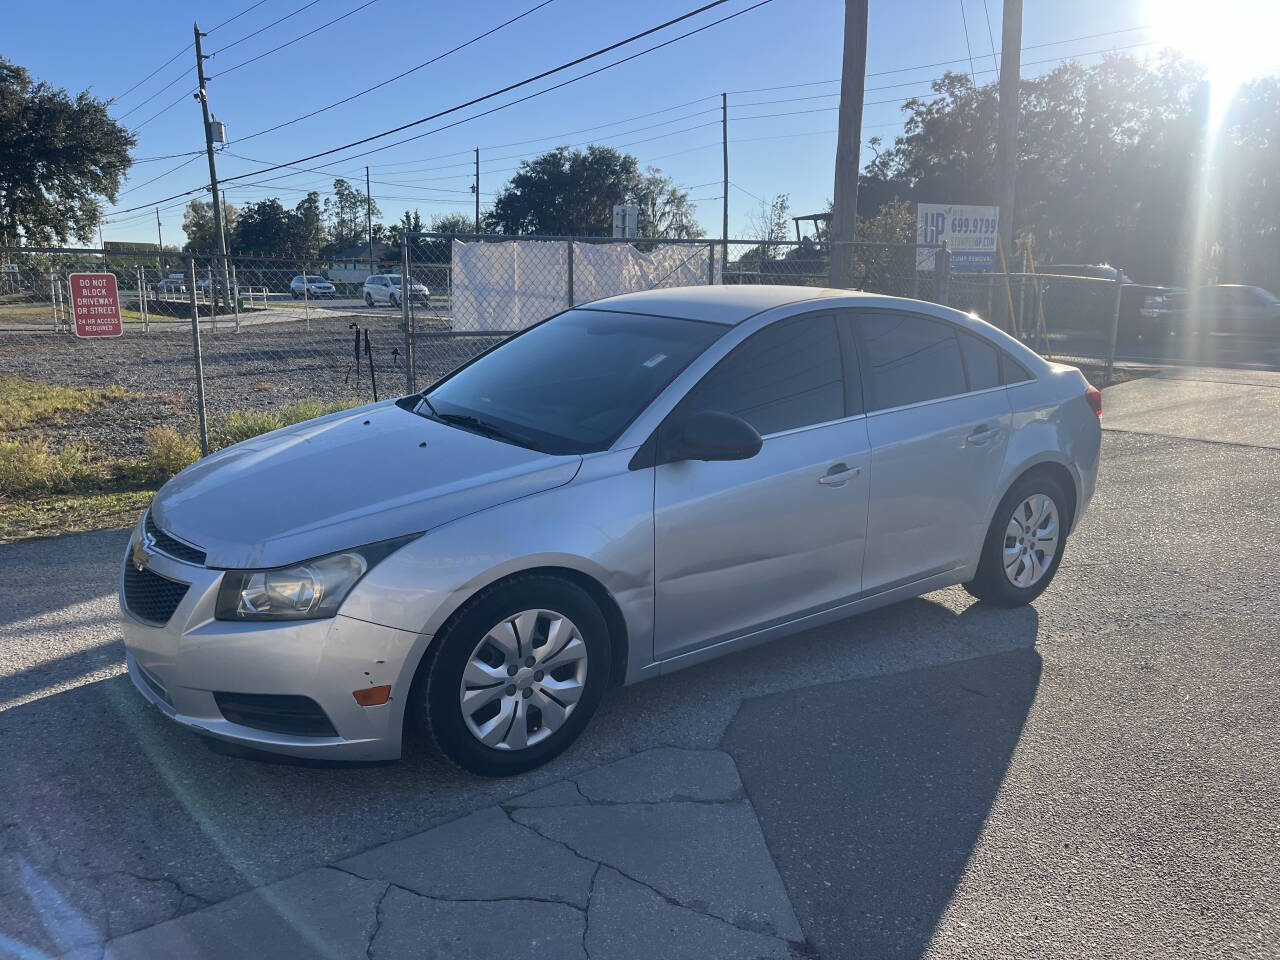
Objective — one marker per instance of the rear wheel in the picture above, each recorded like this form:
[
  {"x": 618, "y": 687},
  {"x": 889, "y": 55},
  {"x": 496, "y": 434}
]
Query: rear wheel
[
  {"x": 515, "y": 677},
  {"x": 393, "y": 300},
  {"x": 368, "y": 300},
  {"x": 1024, "y": 543}
]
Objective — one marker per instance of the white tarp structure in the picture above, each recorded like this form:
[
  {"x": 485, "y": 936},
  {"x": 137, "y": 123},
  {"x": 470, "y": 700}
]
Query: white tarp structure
[
  {"x": 511, "y": 284},
  {"x": 508, "y": 284}
]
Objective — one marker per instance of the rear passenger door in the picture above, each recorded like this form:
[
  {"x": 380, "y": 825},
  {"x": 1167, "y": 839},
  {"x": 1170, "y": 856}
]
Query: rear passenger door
[{"x": 938, "y": 423}]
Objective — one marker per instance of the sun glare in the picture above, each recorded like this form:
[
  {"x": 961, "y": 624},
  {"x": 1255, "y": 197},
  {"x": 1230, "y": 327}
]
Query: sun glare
[{"x": 1234, "y": 39}]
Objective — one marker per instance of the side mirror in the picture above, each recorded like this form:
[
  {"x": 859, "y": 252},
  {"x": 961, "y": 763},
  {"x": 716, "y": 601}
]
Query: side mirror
[{"x": 710, "y": 435}]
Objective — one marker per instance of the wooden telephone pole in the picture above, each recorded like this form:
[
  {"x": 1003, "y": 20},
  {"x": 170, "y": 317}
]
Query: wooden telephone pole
[
  {"x": 1007, "y": 134},
  {"x": 844, "y": 213}
]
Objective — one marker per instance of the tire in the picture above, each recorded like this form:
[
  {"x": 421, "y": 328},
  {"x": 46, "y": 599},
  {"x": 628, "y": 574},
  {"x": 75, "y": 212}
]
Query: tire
[
  {"x": 295, "y": 295},
  {"x": 393, "y": 300},
  {"x": 992, "y": 584},
  {"x": 435, "y": 702},
  {"x": 368, "y": 300}
]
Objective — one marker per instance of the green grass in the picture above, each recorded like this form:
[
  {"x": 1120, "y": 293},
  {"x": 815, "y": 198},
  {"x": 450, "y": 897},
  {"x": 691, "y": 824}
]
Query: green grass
[
  {"x": 46, "y": 491},
  {"x": 70, "y": 513},
  {"x": 28, "y": 403},
  {"x": 244, "y": 424}
]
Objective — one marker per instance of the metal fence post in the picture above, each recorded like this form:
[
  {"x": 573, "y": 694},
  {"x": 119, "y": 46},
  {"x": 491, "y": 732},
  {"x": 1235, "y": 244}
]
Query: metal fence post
[
  {"x": 306, "y": 296},
  {"x": 942, "y": 271},
  {"x": 213, "y": 301},
  {"x": 235, "y": 296},
  {"x": 711, "y": 264},
  {"x": 1022, "y": 287},
  {"x": 404, "y": 316},
  {"x": 195, "y": 341},
  {"x": 1115, "y": 327},
  {"x": 569, "y": 283}
]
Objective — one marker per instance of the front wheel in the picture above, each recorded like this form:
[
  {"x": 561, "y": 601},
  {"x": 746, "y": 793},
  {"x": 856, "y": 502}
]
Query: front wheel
[
  {"x": 515, "y": 677},
  {"x": 1024, "y": 543},
  {"x": 393, "y": 300},
  {"x": 368, "y": 300}
]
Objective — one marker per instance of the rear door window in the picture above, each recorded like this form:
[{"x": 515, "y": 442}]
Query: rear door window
[{"x": 981, "y": 362}]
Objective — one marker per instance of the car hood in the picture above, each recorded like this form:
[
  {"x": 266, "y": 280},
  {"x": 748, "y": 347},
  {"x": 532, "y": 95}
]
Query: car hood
[{"x": 342, "y": 481}]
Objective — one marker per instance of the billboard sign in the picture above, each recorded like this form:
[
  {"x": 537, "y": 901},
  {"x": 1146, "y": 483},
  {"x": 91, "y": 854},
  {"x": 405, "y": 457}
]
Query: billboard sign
[
  {"x": 968, "y": 231},
  {"x": 95, "y": 305}
]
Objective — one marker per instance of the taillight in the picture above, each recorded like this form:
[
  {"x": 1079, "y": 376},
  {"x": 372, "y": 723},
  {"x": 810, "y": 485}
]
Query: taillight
[{"x": 1094, "y": 396}]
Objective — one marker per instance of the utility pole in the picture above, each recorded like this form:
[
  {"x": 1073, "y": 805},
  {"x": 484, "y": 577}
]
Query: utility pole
[
  {"x": 724, "y": 184},
  {"x": 218, "y": 225},
  {"x": 844, "y": 213},
  {"x": 368, "y": 215},
  {"x": 1007, "y": 135},
  {"x": 477, "y": 189}
]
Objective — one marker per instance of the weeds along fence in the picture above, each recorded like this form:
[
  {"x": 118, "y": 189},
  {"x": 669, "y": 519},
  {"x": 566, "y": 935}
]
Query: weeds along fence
[{"x": 207, "y": 357}]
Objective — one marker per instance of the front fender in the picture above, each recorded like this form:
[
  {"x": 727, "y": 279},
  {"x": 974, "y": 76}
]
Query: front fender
[{"x": 600, "y": 525}]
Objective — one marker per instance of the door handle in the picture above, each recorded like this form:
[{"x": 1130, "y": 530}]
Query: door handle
[
  {"x": 838, "y": 475},
  {"x": 981, "y": 434}
]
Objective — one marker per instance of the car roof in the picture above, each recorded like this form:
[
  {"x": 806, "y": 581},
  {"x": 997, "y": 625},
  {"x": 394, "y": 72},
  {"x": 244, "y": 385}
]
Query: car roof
[{"x": 729, "y": 304}]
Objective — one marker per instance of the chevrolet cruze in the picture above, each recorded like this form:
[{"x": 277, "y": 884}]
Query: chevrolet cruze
[{"x": 622, "y": 490}]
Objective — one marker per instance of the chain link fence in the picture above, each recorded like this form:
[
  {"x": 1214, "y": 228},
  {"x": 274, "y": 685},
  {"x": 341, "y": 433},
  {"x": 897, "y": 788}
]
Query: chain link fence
[{"x": 90, "y": 426}]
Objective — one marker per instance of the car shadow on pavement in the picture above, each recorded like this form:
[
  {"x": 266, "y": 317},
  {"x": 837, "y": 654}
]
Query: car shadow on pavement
[{"x": 872, "y": 792}]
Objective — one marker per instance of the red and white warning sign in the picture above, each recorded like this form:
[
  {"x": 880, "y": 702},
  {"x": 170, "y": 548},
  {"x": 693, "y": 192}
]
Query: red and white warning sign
[{"x": 95, "y": 305}]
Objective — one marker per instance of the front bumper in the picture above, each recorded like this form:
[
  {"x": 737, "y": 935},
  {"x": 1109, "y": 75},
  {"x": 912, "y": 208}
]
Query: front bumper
[{"x": 179, "y": 666}]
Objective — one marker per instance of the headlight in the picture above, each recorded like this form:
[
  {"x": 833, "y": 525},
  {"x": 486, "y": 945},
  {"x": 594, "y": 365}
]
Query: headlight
[{"x": 306, "y": 591}]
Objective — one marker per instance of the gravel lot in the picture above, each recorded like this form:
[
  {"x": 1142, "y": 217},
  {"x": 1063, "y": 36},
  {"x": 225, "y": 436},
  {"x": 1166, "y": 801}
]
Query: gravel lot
[{"x": 263, "y": 367}]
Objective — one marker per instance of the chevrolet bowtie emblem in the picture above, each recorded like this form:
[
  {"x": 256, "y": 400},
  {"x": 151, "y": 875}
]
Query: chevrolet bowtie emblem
[{"x": 141, "y": 552}]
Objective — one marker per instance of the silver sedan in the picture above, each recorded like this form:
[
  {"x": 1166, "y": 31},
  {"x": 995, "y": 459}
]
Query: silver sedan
[{"x": 620, "y": 491}]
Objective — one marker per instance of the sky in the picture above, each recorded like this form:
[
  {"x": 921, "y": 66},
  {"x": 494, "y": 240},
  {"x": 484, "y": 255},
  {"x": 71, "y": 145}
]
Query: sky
[{"x": 776, "y": 62}]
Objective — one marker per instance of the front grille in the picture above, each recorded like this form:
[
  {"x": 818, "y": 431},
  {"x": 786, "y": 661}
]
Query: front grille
[
  {"x": 151, "y": 597},
  {"x": 276, "y": 713},
  {"x": 171, "y": 546}
]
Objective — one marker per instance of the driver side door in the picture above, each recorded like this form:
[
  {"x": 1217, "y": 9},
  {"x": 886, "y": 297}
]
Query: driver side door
[{"x": 742, "y": 545}]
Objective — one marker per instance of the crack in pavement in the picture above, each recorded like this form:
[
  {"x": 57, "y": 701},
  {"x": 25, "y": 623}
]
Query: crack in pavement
[
  {"x": 669, "y": 900},
  {"x": 377, "y": 921}
]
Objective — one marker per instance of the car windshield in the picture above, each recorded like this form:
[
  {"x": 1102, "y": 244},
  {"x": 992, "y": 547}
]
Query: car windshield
[
  {"x": 316, "y": 280},
  {"x": 573, "y": 383},
  {"x": 395, "y": 281}
]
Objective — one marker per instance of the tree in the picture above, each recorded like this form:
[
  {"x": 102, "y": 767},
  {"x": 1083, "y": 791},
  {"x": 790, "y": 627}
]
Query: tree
[
  {"x": 264, "y": 228},
  {"x": 565, "y": 193},
  {"x": 198, "y": 225},
  {"x": 452, "y": 223},
  {"x": 346, "y": 214},
  {"x": 306, "y": 226},
  {"x": 665, "y": 210},
  {"x": 60, "y": 157},
  {"x": 1114, "y": 161}
]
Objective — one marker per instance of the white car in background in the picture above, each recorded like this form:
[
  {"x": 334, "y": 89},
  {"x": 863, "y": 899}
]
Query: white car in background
[
  {"x": 314, "y": 288},
  {"x": 385, "y": 288}
]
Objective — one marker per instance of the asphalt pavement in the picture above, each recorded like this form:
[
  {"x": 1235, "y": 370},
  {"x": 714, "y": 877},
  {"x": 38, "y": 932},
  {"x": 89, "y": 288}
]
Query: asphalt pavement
[{"x": 1095, "y": 775}]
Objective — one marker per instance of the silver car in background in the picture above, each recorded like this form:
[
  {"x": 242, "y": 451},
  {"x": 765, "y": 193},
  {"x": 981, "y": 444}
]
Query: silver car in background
[{"x": 623, "y": 490}]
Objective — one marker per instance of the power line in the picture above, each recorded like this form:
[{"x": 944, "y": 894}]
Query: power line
[
  {"x": 273, "y": 23},
  {"x": 161, "y": 176},
  {"x": 991, "y": 40},
  {"x": 142, "y": 103},
  {"x": 687, "y": 103},
  {"x": 964, "y": 20},
  {"x": 237, "y": 16},
  {"x": 398, "y": 76},
  {"x": 508, "y": 88},
  {"x": 150, "y": 75},
  {"x": 527, "y": 81},
  {"x": 946, "y": 63},
  {"x": 289, "y": 43},
  {"x": 163, "y": 110}
]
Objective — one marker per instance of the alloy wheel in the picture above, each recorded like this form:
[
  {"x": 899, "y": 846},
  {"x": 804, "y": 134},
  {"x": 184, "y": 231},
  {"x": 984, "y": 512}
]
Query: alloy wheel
[
  {"x": 1031, "y": 540},
  {"x": 523, "y": 679}
]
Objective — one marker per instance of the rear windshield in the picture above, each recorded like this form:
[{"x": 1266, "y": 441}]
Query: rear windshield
[
  {"x": 573, "y": 383},
  {"x": 395, "y": 281}
]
